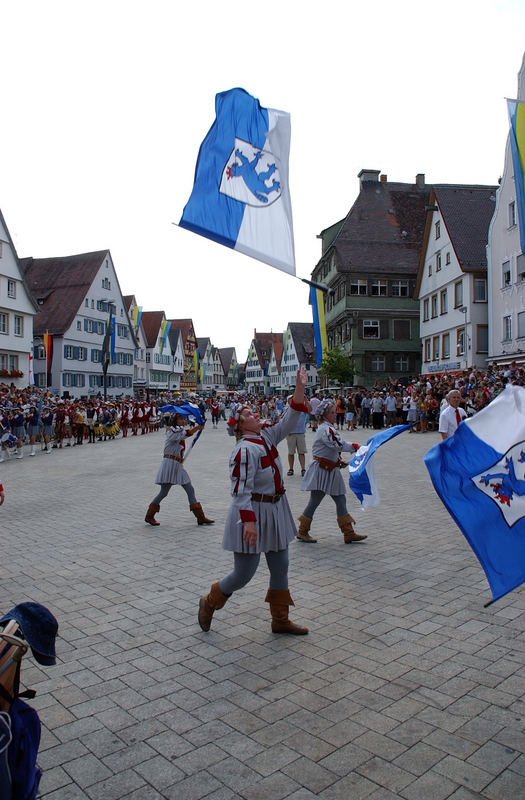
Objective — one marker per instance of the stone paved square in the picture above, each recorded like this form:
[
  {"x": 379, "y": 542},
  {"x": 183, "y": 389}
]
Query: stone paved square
[{"x": 406, "y": 686}]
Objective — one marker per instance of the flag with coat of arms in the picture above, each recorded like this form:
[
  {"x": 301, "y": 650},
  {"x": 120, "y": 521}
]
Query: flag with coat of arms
[
  {"x": 479, "y": 474},
  {"x": 241, "y": 196}
]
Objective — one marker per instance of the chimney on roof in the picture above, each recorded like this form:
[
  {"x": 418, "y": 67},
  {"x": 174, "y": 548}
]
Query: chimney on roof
[
  {"x": 383, "y": 178},
  {"x": 370, "y": 175},
  {"x": 420, "y": 180}
]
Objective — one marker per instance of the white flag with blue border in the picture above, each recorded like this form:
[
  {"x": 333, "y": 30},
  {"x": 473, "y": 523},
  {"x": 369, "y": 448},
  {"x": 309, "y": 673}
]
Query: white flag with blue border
[
  {"x": 479, "y": 474},
  {"x": 241, "y": 196}
]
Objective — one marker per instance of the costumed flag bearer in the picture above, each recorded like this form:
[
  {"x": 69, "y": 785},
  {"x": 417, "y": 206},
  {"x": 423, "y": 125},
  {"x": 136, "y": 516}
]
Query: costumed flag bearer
[
  {"x": 171, "y": 471},
  {"x": 259, "y": 519}
]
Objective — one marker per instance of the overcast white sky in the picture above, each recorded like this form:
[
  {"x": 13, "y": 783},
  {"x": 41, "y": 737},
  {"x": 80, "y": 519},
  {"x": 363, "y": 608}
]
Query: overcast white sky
[{"x": 105, "y": 104}]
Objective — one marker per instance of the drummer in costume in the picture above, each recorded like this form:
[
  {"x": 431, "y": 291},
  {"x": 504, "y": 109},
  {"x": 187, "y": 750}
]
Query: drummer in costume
[
  {"x": 171, "y": 471},
  {"x": 259, "y": 520},
  {"x": 323, "y": 476}
]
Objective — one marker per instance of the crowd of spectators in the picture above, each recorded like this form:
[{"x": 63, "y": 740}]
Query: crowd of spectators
[{"x": 39, "y": 419}]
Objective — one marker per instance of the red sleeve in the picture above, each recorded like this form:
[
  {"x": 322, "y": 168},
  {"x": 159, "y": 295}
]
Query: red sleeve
[
  {"x": 299, "y": 406},
  {"x": 247, "y": 516}
]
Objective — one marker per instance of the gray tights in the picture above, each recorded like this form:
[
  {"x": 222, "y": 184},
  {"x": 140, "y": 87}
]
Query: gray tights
[
  {"x": 315, "y": 498},
  {"x": 245, "y": 566},
  {"x": 165, "y": 487}
]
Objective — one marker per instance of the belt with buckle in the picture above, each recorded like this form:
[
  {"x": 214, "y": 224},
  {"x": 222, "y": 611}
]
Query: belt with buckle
[
  {"x": 267, "y": 498},
  {"x": 174, "y": 458}
]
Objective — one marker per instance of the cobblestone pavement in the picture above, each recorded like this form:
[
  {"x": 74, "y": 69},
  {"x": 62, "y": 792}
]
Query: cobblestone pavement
[{"x": 406, "y": 687}]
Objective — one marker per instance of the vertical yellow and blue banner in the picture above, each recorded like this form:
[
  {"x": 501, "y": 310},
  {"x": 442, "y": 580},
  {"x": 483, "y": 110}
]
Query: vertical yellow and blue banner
[
  {"x": 517, "y": 142},
  {"x": 196, "y": 364},
  {"x": 164, "y": 331},
  {"x": 137, "y": 316},
  {"x": 320, "y": 337}
]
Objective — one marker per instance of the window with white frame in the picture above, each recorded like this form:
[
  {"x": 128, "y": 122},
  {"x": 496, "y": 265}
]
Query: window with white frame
[
  {"x": 480, "y": 290},
  {"x": 521, "y": 325},
  {"x": 445, "y": 345},
  {"x": 512, "y": 214},
  {"x": 426, "y": 306},
  {"x": 106, "y": 283},
  {"x": 437, "y": 227},
  {"x": 447, "y": 259},
  {"x": 438, "y": 262},
  {"x": 435, "y": 348},
  {"x": 378, "y": 288},
  {"x": 370, "y": 329},
  {"x": 443, "y": 300},
  {"x": 86, "y": 302},
  {"x": 4, "y": 322},
  {"x": 11, "y": 288},
  {"x": 3, "y": 361},
  {"x": 18, "y": 325},
  {"x": 400, "y": 288},
  {"x": 401, "y": 363},
  {"x": 458, "y": 294},
  {"x": 13, "y": 362},
  {"x": 482, "y": 338},
  {"x": 428, "y": 345},
  {"x": 460, "y": 341},
  {"x": 377, "y": 364},
  {"x": 434, "y": 305},
  {"x": 520, "y": 267},
  {"x": 79, "y": 324},
  {"x": 430, "y": 268},
  {"x": 507, "y": 329},
  {"x": 506, "y": 279}
]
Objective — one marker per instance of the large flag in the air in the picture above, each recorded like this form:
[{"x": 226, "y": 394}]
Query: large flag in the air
[
  {"x": 320, "y": 337},
  {"x": 241, "y": 196},
  {"x": 362, "y": 479},
  {"x": 479, "y": 474},
  {"x": 517, "y": 142}
]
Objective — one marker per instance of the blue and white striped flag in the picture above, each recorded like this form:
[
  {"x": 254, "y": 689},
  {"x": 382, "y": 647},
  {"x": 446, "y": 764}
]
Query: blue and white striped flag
[
  {"x": 241, "y": 196},
  {"x": 362, "y": 475}
]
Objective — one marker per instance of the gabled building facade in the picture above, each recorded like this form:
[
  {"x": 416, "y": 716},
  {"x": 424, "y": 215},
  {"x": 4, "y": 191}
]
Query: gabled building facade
[
  {"x": 275, "y": 368},
  {"x": 230, "y": 367},
  {"x": 76, "y": 296},
  {"x": 206, "y": 375},
  {"x": 159, "y": 359},
  {"x": 257, "y": 379},
  {"x": 140, "y": 366},
  {"x": 299, "y": 351},
  {"x": 370, "y": 262},
  {"x": 188, "y": 382},
  {"x": 17, "y": 311},
  {"x": 219, "y": 379},
  {"x": 506, "y": 267},
  {"x": 452, "y": 278},
  {"x": 177, "y": 353}
]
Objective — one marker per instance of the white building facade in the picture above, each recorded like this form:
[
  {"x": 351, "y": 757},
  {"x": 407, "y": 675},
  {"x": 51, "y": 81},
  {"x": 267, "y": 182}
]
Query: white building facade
[
  {"x": 17, "y": 310},
  {"x": 507, "y": 267}
]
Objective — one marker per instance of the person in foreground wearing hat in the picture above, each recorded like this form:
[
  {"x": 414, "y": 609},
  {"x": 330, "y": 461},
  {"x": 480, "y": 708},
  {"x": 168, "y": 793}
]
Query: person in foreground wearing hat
[
  {"x": 172, "y": 473},
  {"x": 323, "y": 476},
  {"x": 259, "y": 519}
]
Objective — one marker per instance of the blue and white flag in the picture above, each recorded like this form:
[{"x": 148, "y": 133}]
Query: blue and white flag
[
  {"x": 240, "y": 196},
  {"x": 362, "y": 475},
  {"x": 479, "y": 474}
]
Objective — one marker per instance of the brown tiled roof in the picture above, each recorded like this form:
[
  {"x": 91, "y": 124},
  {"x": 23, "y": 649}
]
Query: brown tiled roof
[
  {"x": 303, "y": 337},
  {"x": 226, "y": 355},
  {"x": 151, "y": 322},
  {"x": 383, "y": 230},
  {"x": 185, "y": 326},
  {"x": 265, "y": 341},
  {"x": 59, "y": 286},
  {"x": 467, "y": 212},
  {"x": 278, "y": 348},
  {"x": 128, "y": 300}
]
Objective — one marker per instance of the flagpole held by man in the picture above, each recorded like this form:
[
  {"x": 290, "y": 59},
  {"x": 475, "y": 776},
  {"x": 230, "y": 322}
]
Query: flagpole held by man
[
  {"x": 171, "y": 471},
  {"x": 259, "y": 519}
]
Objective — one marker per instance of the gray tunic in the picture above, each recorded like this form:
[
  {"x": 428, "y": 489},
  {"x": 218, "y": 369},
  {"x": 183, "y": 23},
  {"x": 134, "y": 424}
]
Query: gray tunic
[
  {"x": 171, "y": 471},
  {"x": 251, "y": 470},
  {"x": 327, "y": 444}
]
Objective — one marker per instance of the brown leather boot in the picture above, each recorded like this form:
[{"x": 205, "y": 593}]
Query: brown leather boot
[
  {"x": 202, "y": 519},
  {"x": 347, "y": 529},
  {"x": 211, "y": 602},
  {"x": 280, "y": 600},
  {"x": 304, "y": 527},
  {"x": 150, "y": 514}
]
